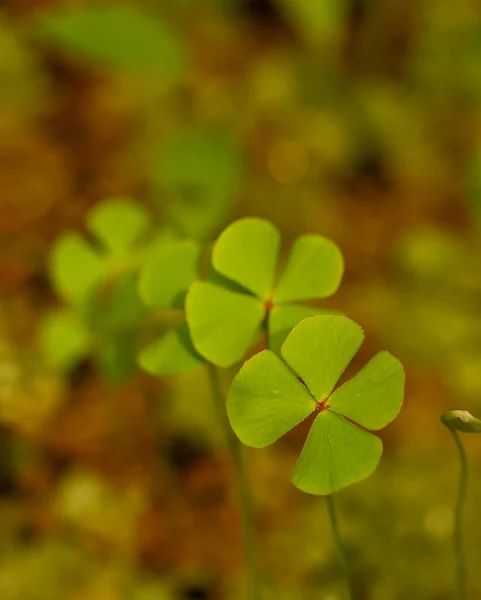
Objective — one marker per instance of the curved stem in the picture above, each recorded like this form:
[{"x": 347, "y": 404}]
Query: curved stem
[
  {"x": 243, "y": 489},
  {"x": 459, "y": 550},
  {"x": 340, "y": 546}
]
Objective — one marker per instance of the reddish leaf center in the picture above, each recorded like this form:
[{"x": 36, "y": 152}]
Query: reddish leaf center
[
  {"x": 321, "y": 406},
  {"x": 269, "y": 304}
]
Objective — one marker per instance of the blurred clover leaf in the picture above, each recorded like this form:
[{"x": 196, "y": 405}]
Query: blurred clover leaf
[
  {"x": 64, "y": 339},
  {"x": 78, "y": 267},
  {"x": 117, "y": 36},
  {"x": 224, "y": 320},
  {"x": 105, "y": 328},
  {"x": 164, "y": 280},
  {"x": 266, "y": 400},
  {"x": 199, "y": 173}
]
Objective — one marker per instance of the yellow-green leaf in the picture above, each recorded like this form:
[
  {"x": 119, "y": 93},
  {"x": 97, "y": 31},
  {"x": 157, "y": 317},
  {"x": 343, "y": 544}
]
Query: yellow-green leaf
[{"x": 336, "y": 454}]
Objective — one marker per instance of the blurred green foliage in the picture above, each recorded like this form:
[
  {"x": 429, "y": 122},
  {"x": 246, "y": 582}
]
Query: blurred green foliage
[
  {"x": 106, "y": 315},
  {"x": 22, "y": 85},
  {"x": 121, "y": 36},
  {"x": 196, "y": 176},
  {"x": 164, "y": 279}
]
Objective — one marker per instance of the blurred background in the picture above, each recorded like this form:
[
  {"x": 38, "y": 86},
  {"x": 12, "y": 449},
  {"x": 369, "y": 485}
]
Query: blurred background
[{"x": 356, "y": 119}]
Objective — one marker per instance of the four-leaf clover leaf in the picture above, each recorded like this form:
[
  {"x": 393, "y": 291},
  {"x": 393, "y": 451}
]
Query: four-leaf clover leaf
[
  {"x": 225, "y": 320},
  {"x": 266, "y": 400},
  {"x": 164, "y": 280}
]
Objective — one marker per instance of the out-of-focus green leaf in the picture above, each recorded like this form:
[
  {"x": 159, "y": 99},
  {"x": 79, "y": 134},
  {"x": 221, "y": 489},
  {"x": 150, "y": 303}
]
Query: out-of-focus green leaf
[
  {"x": 75, "y": 268},
  {"x": 200, "y": 173},
  {"x": 118, "y": 36},
  {"x": 118, "y": 224},
  {"x": 64, "y": 340},
  {"x": 78, "y": 267},
  {"x": 208, "y": 158},
  {"x": 117, "y": 308},
  {"x": 168, "y": 272},
  {"x": 172, "y": 353},
  {"x": 123, "y": 309},
  {"x": 115, "y": 356}
]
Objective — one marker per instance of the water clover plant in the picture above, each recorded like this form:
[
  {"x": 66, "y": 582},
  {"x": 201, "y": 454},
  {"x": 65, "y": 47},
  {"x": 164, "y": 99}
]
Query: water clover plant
[
  {"x": 106, "y": 329},
  {"x": 163, "y": 283},
  {"x": 79, "y": 265},
  {"x": 95, "y": 279},
  {"x": 269, "y": 396},
  {"x": 226, "y": 316},
  {"x": 461, "y": 420}
]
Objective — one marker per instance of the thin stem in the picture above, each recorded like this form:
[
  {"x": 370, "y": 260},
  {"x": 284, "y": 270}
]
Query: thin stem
[
  {"x": 242, "y": 484},
  {"x": 340, "y": 546},
  {"x": 459, "y": 550}
]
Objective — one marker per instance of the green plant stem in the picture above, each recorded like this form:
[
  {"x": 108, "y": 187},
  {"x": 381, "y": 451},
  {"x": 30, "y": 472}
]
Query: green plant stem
[
  {"x": 340, "y": 546},
  {"x": 461, "y": 563},
  {"x": 242, "y": 484}
]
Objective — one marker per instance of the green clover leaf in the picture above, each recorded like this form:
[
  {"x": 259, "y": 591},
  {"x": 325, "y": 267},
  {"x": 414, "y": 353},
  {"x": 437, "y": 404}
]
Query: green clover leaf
[
  {"x": 224, "y": 322},
  {"x": 164, "y": 280},
  {"x": 168, "y": 272},
  {"x": 266, "y": 400},
  {"x": 283, "y": 319},
  {"x": 64, "y": 340},
  {"x": 118, "y": 224},
  {"x": 78, "y": 267}
]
